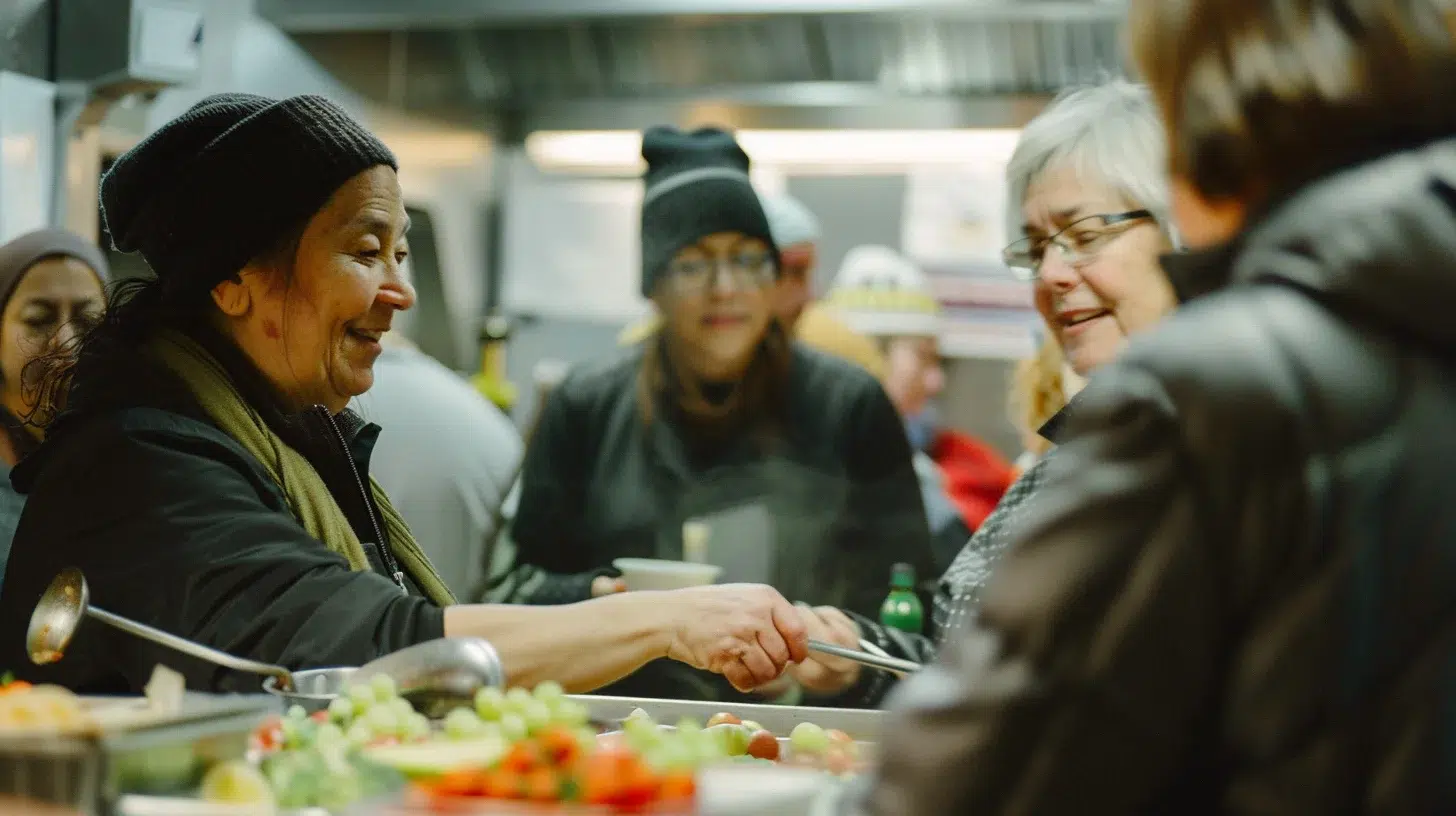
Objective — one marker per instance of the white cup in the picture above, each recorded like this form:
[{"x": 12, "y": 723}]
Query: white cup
[{"x": 654, "y": 573}]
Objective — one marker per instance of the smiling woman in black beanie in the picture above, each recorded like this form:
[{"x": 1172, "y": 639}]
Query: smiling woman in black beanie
[
  {"x": 796, "y": 461},
  {"x": 225, "y": 486}
]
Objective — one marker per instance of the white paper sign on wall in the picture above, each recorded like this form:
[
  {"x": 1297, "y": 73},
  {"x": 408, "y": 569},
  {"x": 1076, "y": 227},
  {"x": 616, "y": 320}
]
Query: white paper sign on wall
[
  {"x": 572, "y": 247},
  {"x": 27, "y": 136}
]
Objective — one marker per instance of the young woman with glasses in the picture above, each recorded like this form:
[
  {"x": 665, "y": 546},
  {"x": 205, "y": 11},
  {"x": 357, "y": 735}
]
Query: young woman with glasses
[{"x": 796, "y": 461}]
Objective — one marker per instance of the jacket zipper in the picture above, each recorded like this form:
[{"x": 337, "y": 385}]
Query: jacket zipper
[{"x": 384, "y": 552}]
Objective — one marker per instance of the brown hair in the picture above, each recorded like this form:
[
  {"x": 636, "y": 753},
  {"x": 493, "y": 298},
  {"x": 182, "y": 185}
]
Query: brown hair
[
  {"x": 756, "y": 403},
  {"x": 1263, "y": 96},
  {"x": 1037, "y": 393}
]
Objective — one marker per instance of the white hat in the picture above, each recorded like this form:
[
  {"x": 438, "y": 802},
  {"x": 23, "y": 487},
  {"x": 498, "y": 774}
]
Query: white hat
[
  {"x": 789, "y": 221},
  {"x": 880, "y": 293}
]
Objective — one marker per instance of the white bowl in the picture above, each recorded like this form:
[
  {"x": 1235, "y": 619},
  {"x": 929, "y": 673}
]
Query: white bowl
[
  {"x": 654, "y": 573},
  {"x": 761, "y": 790}
]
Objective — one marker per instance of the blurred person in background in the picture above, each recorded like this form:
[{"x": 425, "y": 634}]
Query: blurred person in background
[
  {"x": 1088, "y": 191},
  {"x": 207, "y": 476},
  {"x": 1039, "y": 391},
  {"x": 52, "y": 289},
  {"x": 882, "y": 295},
  {"x": 796, "y": 233},
  {"x": 448, "y": 461},
  {"x": 1236, "y": 593},
  {"x": 715, "y": 415}
]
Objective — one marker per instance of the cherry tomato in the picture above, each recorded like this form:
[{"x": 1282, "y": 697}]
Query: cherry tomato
[
  {"x": 560, "y": 746},
  {"x": 524, "y": 756},
  {"x": 319, "y": 717},
  {"x": 763, "y": 745},
  {"x": 722, "y": 718},
  {"x": 837, "y": 736}
]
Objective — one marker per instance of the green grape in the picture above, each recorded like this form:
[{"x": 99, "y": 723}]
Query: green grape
[
  {"x": 549, "y": 692},
  {"x": 359, "y": 734},
  {"x": 490, "y": 703},
  {"x": 513, "y": 727},
  {"x": 297, "y": 713},
  {"x": 383, "y": 721},
  {"x": 329, "y": 734},
  {"x": 401, "y": 708},
  {"x": 753, "y": 727},
  {"x": 808, "y": 739},
  {"x": 570, "y": 712},
  {"x": 417, "y": 727},
  {"x": 362, "y": 697},
  {"x": 688, "y": 725},
  {"x": 537, "y": 716},
  {"x": 516, "y": 698},
  {"x": 384, "y": 688},
  {"x": 639, "y": 714},
  {"x": 341, "y": 710},
  {"x": 731, "y": 739},
  {"x": 462, "y": 723}
]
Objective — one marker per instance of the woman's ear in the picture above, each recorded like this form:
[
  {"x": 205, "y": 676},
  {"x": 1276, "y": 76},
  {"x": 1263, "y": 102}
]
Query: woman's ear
[{"x": 233, "y": 297}]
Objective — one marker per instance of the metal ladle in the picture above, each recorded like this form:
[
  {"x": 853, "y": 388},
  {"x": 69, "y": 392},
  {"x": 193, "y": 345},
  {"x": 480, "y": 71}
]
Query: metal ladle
[{"x": 67, "y": 600}]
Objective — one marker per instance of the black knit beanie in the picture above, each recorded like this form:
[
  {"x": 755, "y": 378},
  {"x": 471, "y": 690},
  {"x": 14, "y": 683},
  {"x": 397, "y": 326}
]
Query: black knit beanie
[
  {"x": 696, "y": 184},
  {"x": 227, "y": 180}
]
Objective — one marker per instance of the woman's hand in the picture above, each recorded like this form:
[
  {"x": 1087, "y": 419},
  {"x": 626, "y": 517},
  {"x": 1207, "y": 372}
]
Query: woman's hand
[
  {"x": 746, "y": 632},
  {"x": 822, "y": 674}
]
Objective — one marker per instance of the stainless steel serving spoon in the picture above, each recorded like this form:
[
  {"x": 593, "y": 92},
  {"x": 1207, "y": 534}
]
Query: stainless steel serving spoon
[{"x": 68, "y": 600}]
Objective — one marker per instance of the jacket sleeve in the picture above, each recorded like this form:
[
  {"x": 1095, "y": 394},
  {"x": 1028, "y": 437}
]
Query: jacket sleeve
[
  {"x": 885, "y": 520},
  {"x": 540, "y": 559},
  {"x": 1090, "y": 667},
  {"x": 177, "y": 533}
]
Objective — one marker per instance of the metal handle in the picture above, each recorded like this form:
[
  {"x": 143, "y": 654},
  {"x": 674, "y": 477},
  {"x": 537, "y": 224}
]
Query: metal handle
[
  {"x": 891, "y": 664},
  {"x": 141, "y": 630}
]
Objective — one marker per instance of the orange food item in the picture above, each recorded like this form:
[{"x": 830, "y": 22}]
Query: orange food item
[
  {"x": 14, "y": 686},
  {"x": 560, "y": 747},
  {"x": 542, "y": 785},
  {"x": 678, "y": 785}
]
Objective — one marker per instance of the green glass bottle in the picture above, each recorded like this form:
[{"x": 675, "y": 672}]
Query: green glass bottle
[{"x": 902, "y": 608}]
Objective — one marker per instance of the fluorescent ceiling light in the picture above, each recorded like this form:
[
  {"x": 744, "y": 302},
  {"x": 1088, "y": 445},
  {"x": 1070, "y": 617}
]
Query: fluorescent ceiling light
[{"x": 619, "y": 151}]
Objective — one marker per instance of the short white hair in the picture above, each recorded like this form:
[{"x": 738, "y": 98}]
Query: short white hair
[{"x": 1108, "y": 132}]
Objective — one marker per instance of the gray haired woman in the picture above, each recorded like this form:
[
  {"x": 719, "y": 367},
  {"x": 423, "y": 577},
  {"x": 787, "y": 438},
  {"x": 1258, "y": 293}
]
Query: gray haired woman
[{"x": 1089, "y": 201}]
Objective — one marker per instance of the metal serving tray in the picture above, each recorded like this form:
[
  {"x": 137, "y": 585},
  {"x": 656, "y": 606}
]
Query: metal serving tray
[
  {"x": 862, "y": 724},
  {"x": 92, "y": 772}
]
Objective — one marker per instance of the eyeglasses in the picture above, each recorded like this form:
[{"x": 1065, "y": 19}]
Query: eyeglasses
[
  {"x": 1079, "y": 242},
  {"x": 746, "y": 269}
]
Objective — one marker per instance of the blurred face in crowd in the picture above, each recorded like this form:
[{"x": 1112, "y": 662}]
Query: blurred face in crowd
[
  {"x": 1111, "y": 285},
  {"x": 914, "y": 375},
  {"x": 312, "y": 321},
  {"x": 55, "y": 301},
  {"x": 716, "y": 300},
  {"x": 796, "y": 282}
]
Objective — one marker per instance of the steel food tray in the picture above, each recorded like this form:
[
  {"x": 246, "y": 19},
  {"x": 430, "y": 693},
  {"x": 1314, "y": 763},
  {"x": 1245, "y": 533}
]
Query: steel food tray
[
  {"x": 91, "y": 772},
  {"x": 862, "y": 724}
]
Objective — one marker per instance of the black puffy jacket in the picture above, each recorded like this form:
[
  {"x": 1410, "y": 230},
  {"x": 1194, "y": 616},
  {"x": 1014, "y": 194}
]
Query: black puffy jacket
[
  {"x": 176, "y": 525},
  {"x": 1237, "y": 592}
]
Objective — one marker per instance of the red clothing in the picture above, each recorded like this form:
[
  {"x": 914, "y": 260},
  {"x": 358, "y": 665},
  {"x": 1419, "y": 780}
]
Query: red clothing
[{"x": 975, "y": 474}]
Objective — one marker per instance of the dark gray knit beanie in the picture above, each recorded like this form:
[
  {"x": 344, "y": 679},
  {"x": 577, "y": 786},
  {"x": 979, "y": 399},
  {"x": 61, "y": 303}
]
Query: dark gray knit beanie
[
  {"x": 696, "y": 184},
  {"x": 227, "y": 180}
]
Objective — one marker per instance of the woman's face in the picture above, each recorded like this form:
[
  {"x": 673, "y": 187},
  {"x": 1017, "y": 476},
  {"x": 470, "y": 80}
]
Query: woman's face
[
  {"x": 914, "y": 375},
  {"x": 315, "y": 333},
  {"x": 716, "y": 300},
  {"x": 55, "y": 300},
  {"x": 1093, "y": 306}
]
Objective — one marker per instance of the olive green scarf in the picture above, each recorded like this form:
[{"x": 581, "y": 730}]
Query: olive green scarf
[{"x": 308, "y": 497}]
